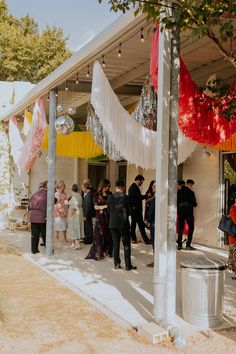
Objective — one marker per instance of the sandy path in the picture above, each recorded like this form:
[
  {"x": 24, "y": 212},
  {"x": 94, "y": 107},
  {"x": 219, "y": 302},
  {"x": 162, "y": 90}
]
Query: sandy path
[{"x": 42, "y": 316}]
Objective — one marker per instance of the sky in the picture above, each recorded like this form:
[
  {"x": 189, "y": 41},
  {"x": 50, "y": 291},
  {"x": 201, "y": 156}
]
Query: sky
[{"x": 80, "y": 19}]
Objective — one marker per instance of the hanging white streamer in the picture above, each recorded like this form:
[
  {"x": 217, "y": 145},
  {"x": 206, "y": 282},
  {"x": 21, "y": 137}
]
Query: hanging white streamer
[
  {"x": 15, "y": 140},
  {"x": 133, "y": 141}
]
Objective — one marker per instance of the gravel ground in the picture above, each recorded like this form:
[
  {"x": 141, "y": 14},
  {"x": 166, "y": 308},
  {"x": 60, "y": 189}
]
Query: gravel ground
[{"x": 39, "y": 315}]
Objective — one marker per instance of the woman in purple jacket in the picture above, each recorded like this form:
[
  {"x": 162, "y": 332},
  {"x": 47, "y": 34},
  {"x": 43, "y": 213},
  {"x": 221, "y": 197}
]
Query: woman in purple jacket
[{"x": 37, "y": 215}]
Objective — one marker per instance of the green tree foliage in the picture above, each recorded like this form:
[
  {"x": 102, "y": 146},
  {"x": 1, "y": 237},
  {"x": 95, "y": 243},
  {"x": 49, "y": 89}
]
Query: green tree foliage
[
  {"x": 25, "y": 53},
  {"x": 214, "y": 19}
]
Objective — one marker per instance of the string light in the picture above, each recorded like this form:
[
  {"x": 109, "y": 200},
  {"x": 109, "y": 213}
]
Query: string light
[
  {"x": 66, "y": 88},
  {"x": 88, "y": 72},
  {"x": 103, "y": 62},
  {"x": 77, "y": 79},
  {"x": 56, "y": 94},
  {"x": 48, "y": 98},
  {"x": 142, "y": 37},
  {"x": 119, "y": 52}
]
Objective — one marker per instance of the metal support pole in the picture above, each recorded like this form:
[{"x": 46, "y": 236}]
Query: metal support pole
[
  {"x": 166, "y": 176},
  {"x": 173, "y": 176},
  {"x": 51, "y": 174}
]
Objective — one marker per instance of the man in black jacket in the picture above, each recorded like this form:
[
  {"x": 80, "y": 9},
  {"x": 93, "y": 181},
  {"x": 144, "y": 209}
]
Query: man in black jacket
[
  {"x": 89, "y": 212},
  {"x": 135, "y": 200},
  {"x": 118, "y": 207},
  {"x": 186, "y": 201}
]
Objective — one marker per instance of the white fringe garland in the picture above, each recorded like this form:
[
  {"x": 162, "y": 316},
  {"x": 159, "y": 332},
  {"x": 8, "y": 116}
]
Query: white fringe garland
[{"x": 133, "y": 141}]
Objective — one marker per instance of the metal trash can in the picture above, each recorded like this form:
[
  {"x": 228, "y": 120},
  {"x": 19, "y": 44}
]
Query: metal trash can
[{"x": 202, "y": 291}]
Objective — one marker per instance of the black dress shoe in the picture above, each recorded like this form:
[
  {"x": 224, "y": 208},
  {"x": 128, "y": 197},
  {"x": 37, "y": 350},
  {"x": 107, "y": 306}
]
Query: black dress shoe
[
  {"x": 190, "y": 248},
  {"x": 180, "y": 248},
  {"x": 148, "y": 242},
  {"x": 118, "y": 266},
  {"x": 131, "y": 267}
]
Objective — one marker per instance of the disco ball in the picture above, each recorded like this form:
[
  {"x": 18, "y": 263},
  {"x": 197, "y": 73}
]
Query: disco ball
[
  {"x": 60, "y": 108},
  {"x": 71, "y": 111},
  {"x": 64, "y": 125}
]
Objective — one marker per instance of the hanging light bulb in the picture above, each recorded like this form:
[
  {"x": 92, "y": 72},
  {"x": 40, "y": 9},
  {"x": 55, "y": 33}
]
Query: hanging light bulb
[
  {"x": 66, "y": 88},
  {"x": 103, "y": 62},
  {"x": 119, "y": 52},
  {"x": 88, "y": 72},
  {"x": 142, "y": 37},
  {"x": 77, "y": 79},
  {"x": 48, "y": 98},
  {"x": 56, "y": 94}
]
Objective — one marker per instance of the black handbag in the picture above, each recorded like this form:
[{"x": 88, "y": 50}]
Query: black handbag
[{"x": 227, "y": 225}]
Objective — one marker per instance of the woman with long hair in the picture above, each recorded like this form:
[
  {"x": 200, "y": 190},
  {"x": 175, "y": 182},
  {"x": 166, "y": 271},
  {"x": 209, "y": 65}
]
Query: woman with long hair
[
  {"x": 60, "y": 210},
  {"x": 102, "y": 240},
  {"x": 150, "y": 195}
]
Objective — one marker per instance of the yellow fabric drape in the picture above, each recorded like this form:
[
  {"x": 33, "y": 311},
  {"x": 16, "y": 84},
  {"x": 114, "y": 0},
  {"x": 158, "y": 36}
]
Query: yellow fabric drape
[{"x": 76, "y": 144}]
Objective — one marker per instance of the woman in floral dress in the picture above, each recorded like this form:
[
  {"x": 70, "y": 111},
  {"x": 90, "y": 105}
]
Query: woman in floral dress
[{"x": 60, "y": 210}]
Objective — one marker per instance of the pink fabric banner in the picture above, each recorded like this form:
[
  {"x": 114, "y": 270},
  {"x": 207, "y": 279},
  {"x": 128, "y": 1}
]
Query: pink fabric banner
[{"x": 34, "y": 139}]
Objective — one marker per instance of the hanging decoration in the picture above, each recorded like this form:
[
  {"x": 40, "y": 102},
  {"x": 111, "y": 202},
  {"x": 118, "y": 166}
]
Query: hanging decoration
[
  {"x": 145, "y": 112},
  {"x": 27, "y": 122},
  {"x": 135, "y": 143},
  {"x": 71, "y": 111},
  {"x": 64, "y": 125},
  {"x": 60, "y": 108},
  {"x": 199, "y": 117},
  {"x": 100, "y": 136},
  {"x": 15, "y": 140},
  {"x": 33, "y": 141}
]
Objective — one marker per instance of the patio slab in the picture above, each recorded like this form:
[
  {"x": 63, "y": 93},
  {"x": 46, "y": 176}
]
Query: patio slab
[{"x": 126, "y": 297}]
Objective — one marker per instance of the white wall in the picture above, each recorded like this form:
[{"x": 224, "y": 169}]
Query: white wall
[
  {"x": 205, "y": 174},
  {"x": 133, "y": 171},
  {"x": 64, "y": 171}
]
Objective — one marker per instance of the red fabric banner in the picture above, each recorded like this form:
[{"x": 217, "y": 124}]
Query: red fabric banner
[{"x": 199, "y": 117}]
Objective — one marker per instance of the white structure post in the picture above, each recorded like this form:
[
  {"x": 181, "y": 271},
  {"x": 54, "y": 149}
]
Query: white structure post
[
  {"x": 51, "y": 174},
  {"x": 166, "y": 177}
]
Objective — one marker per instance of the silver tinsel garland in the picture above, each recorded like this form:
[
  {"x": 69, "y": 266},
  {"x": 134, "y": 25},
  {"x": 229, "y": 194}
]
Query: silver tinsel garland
[
  {"x": 100, "y": 136},
  {"x": 145, "y": 113}
]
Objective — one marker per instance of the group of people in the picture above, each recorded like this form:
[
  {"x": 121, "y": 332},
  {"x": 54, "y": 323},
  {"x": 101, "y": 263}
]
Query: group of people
[
  {"x": 95, "y": 217},
  {"x": 101, "y": 218}
]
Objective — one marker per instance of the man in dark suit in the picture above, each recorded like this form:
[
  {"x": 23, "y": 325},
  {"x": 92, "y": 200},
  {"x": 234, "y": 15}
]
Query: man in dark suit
[
  {"x": 118, "y": 207},
  {"x": 135, "y": 200},
  {"x": 186, "y": 201},
  {"x": 89, "y": 212}
]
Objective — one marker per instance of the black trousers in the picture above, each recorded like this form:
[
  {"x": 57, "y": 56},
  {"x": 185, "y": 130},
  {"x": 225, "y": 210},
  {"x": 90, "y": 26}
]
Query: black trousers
[
  {"x": 37, "y": 230},
  {"x": 88, "y": 230},
  {"x": 189, "y": 218},
  {"x": 117, "y": 235},
  {"x": 137, "y": 218}
]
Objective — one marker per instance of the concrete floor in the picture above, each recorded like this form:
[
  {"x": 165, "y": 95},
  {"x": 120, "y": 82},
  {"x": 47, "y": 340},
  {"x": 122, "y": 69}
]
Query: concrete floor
[{"x": 126, "y": 297}]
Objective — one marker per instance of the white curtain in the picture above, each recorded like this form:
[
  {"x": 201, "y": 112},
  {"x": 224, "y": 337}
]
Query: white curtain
[
  {"x": 15, "y": 140},
  {"x": 133, "y": 141}
]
